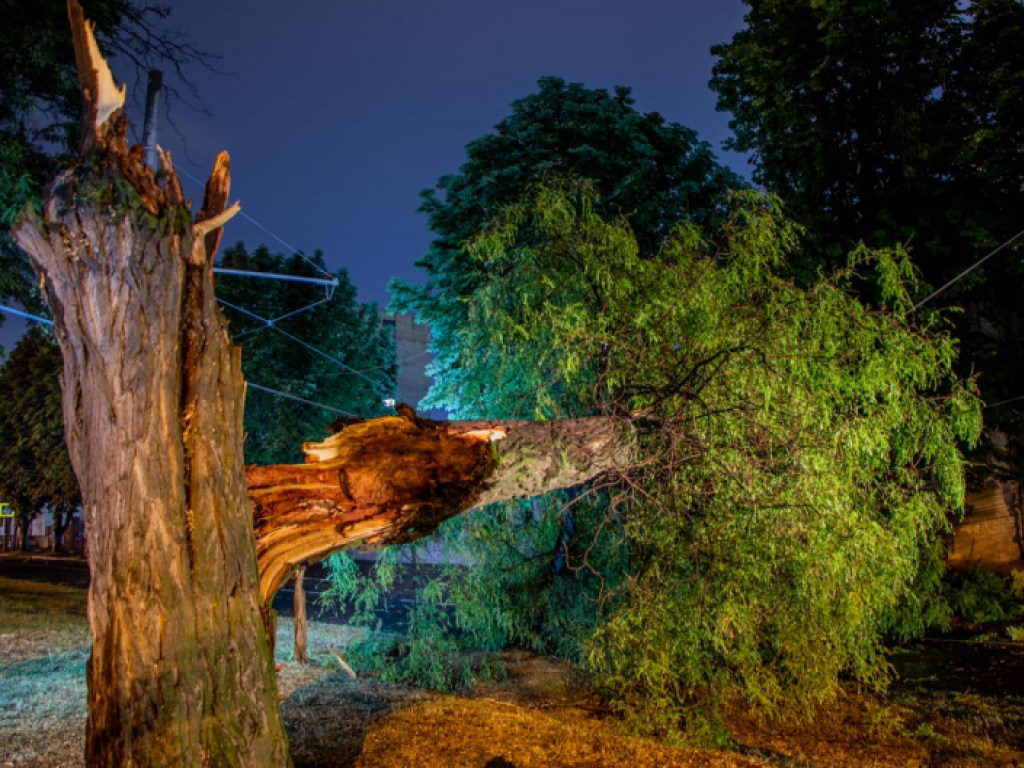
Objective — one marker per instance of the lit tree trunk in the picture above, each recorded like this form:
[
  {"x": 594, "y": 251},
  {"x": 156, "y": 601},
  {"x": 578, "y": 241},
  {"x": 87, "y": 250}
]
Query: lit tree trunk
[
  {"x": 180, "y": 672},
  {"x": 299, "y": 605},
  {"x": 394, "y": 479}
]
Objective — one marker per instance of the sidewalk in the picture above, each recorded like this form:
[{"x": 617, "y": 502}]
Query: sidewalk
[{"x": 63, "y": 558}]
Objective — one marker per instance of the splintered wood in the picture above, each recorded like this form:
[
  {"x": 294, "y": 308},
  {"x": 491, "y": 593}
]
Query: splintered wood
[
  {"x": 394, "y": 479},
  {"x": 382, "y": 481}
]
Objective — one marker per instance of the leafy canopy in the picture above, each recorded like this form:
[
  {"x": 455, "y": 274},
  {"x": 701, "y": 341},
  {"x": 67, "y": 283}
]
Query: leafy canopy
[
  {"x": 653, "y": 171},
  {"x": 799, "y": 451},
  {"x": 339, "y": 327}
]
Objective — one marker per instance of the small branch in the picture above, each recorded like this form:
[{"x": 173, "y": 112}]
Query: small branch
[
  {"x": 202, "y": 228},
  {"x": 172, "y": 185}
]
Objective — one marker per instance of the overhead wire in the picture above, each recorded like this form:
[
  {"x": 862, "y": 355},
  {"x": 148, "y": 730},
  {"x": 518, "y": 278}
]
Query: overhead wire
[
  {"x": 970, "y": 269},
  {"x": 251, "y": 220},
  {"x": 381, "y": 387},
  {"x": 26, "y": 315},
  {"x": 277, "y": 319},
  {"x": 47, "y": 321},
  {"x": 301, "y": 399}
]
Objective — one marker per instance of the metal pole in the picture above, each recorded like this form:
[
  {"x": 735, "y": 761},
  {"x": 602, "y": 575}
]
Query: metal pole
[
  {"x": 156, "y": 82},
  {"x": 332, "y": 282}
]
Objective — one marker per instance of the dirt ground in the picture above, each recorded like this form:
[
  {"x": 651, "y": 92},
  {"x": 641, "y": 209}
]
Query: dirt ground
[{"x": 538, "y": 718}]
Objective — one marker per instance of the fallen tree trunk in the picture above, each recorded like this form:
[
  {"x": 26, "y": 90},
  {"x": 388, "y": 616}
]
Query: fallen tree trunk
[{"x": 395, "y": 479}]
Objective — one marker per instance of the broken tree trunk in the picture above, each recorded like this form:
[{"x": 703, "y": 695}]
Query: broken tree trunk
[
  {"x": 180, "y": 672},
  {"x": 394, "y": 479}
]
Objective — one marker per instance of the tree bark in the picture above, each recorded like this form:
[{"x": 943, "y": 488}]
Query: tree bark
[
  {"x": 61, "y": 521},
  {"x": 299, "y": 606},
  {"x": 394, "y": 479},
  {"x": 24, "y": 524},
  {"x": 180, "y": 672}
]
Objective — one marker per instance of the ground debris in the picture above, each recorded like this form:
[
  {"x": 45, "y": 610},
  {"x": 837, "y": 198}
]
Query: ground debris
[{"x": 541, "y": 716}]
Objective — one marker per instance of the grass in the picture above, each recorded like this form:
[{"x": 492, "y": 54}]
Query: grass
[
  {"x": 540, "y": 717},
  {"x": 44, "y": 643}
]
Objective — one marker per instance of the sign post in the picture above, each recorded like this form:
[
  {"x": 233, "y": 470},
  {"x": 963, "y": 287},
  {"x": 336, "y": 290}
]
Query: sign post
[{"x": 6, "y": 513}]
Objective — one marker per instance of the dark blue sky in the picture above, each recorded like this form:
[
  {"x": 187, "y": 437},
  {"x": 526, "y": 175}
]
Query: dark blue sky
[{"x": 336, "y": 114}]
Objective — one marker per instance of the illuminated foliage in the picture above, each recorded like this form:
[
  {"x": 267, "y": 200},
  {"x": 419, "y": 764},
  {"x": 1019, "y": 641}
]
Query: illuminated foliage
[
  {"x": 903, "y": 122},
  {"x": 654, "y": 172},
  {"x": 799, "y": 455}
]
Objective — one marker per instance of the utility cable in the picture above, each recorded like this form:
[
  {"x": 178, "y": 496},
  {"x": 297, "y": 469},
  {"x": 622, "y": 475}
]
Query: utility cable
[
  {"x": 277, "y": 319},
  {"x": 26, "y": 315},
  {"x": 46, "y": 321},
  {"x": 253, "y": 221},
  {"x": 384, "y": 389},
  {"x": 301, "y": 400},
  {"x": 970, "y": 269}
]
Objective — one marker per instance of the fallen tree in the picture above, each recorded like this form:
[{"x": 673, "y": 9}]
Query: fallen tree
[
  {"x": 395, "y": 479},
  {"x": 152, "y": 394}
]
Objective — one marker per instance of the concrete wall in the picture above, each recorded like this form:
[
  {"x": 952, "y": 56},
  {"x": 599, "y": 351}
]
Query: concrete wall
[{"x": 411, "y": 342}]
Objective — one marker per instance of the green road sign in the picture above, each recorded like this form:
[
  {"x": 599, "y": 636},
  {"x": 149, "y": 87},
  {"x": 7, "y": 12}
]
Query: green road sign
[{"x": 6, "y": 510}]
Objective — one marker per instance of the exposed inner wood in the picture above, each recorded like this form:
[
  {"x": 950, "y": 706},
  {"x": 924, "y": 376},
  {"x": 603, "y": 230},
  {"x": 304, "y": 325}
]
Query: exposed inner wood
[
  {"x": 101, "y": 97},
  {"x": 395, "y": 479}
]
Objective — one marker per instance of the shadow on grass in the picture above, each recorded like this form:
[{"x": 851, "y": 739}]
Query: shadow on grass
[{"x": 327, "y": 721}]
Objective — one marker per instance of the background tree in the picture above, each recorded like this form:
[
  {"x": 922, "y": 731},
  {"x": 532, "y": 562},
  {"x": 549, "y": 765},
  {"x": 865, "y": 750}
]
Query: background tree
[
  {"x": 349, "y": 332},
  {"x": 35, "y": 471},
  {"x": 654, "y": 171},
  {"x": 40, "y": 101},
  {"x": 884, "y": 122}
]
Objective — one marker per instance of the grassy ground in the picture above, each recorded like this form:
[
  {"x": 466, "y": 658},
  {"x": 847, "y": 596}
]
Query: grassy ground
[{"x": 538, "y": 718}]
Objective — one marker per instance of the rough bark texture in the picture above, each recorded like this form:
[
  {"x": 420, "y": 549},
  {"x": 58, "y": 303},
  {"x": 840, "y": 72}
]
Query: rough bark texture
[
  {"x": 394, "y": 479},
  {"x": 180, "y": 672}
]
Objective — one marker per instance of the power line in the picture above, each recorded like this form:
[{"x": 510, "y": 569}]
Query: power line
[
  {"x": 331, "y": 283},
  {"x": 253, "y": 221},
  {"x": 26, "y": 315},
  {"x": 277, "y": 319},
  {"x": 301, "y": 400},
  {"x": 970, "y": 269},
  {"x": 384, "y": 389},
  {"x": 46, "y": 321}
]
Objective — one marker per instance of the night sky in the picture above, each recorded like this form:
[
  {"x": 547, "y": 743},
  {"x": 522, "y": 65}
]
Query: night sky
[{"x": 337, "y": 114}]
